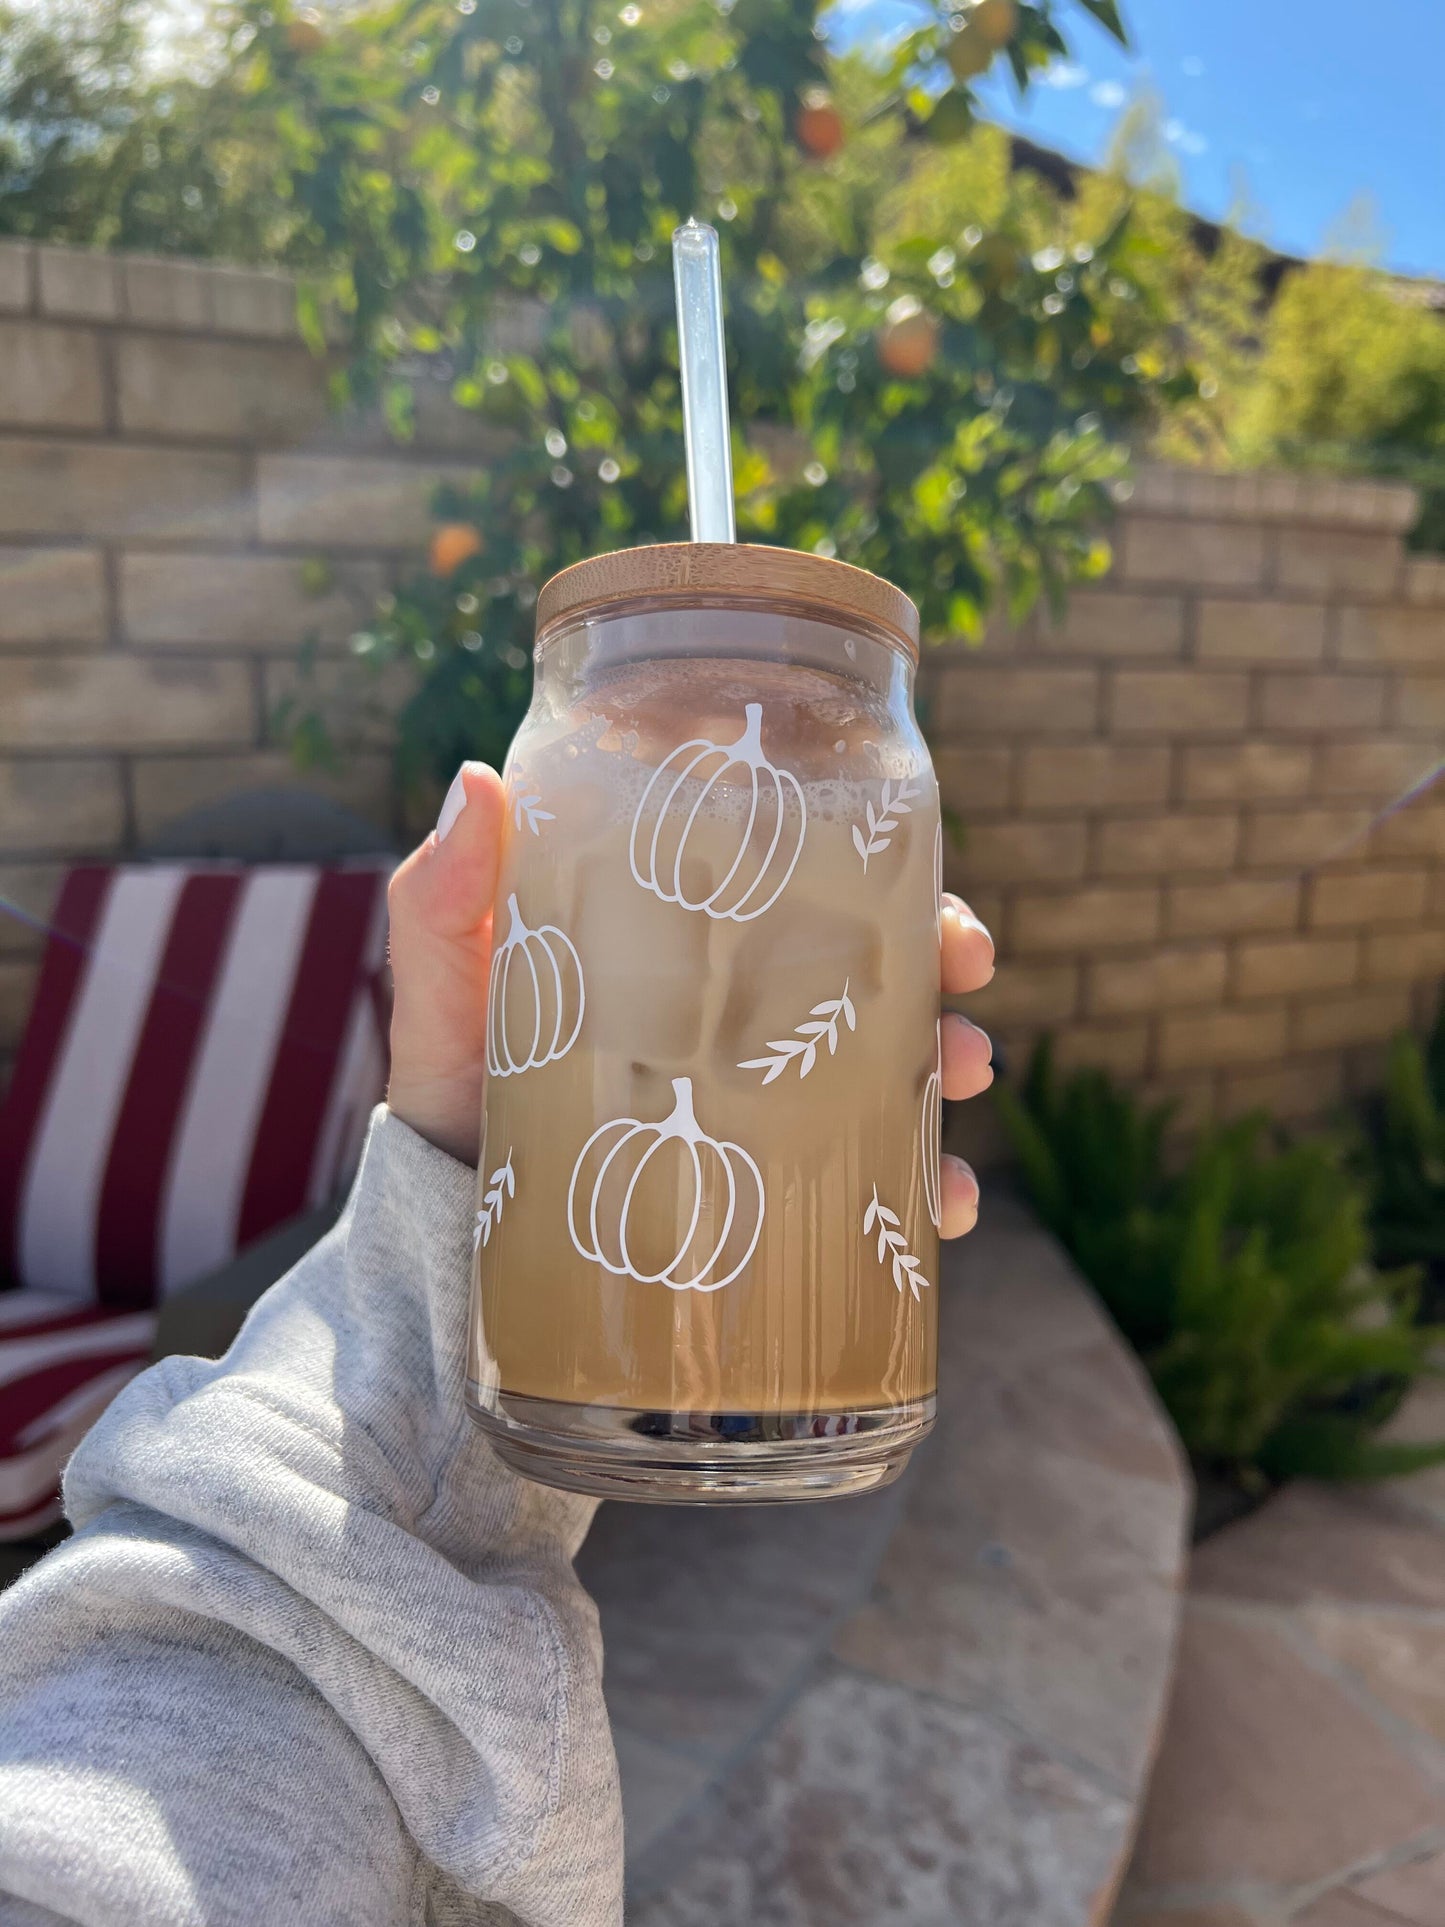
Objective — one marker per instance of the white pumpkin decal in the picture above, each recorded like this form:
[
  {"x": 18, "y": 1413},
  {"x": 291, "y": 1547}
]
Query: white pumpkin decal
[
  {"x": 713, "y": 1190},
  {"x": 767, "y": 849},
  {"x": 932, "y": 1135},
  {"x": 535, "y": 997}
]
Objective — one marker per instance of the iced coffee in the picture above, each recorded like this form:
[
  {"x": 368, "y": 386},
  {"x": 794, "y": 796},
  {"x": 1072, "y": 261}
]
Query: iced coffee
[{"x": 706, "y": 1236}]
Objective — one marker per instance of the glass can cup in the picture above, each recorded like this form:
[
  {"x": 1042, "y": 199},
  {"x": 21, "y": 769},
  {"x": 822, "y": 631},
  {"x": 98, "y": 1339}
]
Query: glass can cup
[{"x": 706, "y": 1241}]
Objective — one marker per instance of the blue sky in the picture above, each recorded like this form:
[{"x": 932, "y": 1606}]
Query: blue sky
[{"x": 1302, "y": 104}]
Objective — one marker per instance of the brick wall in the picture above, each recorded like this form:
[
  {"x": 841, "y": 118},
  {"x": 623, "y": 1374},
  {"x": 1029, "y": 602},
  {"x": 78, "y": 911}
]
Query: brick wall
[
  {"x": 1181, "y": 802},
  {"x": 168, "y": 468},
  {"x": 1199, "y": 813}
]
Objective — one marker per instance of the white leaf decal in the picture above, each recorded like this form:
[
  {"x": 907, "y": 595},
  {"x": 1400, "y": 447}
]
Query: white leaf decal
[
  {"x": 883, "y": 823},
  {"x": 893, "y": 1248},
  {"x": 803, "y": 1045},
  {"x": 500, "y": 1186}
]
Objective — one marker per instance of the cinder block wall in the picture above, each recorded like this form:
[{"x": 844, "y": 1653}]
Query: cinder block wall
[
  {"x": 168, "y": 465},
  {"x": 1182, "y": 806},
  {"x": 1199, "y": 812}
]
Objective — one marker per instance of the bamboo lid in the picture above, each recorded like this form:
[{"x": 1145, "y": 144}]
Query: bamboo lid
[{"x": 686, "y": 572}]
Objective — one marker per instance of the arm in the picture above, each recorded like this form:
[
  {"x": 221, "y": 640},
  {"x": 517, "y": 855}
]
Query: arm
[{"x": 313, "y": 1652}]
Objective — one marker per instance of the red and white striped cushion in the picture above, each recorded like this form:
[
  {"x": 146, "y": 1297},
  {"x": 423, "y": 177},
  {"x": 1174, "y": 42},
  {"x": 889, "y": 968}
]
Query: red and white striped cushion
[{"x": 205, "y": 1045}]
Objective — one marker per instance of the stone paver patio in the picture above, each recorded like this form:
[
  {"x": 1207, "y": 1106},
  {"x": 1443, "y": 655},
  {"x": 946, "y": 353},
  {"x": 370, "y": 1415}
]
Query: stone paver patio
[
  {"x": 936, "y": 1706},
  {"x": 1302, "y": 1775}
]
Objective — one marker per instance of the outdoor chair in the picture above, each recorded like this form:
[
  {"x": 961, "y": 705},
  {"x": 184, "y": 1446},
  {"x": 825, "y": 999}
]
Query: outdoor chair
[{"x": 206, "y": 1041}]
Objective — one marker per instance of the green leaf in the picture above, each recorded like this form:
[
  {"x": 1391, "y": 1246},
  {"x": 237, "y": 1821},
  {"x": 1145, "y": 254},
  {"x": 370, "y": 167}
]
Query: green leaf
[{"x": 1106, "y": 12}]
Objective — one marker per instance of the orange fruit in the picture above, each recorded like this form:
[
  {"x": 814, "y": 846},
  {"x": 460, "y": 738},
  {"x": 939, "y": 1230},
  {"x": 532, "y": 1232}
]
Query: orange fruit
[
  {"x": 908, "y": 341},
  {"x": 819, "y": 129},
  {"x": 452, "y": 544},
  {"x": 968, "y": 55},
  {"x": 304, "y": 36},
  {"x": 995, "y": 22}
]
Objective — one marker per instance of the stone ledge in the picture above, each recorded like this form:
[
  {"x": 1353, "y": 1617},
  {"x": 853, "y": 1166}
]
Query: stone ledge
[
  {"x": 937, "y": 1702},
  {"x": 1257, "y": 496}
]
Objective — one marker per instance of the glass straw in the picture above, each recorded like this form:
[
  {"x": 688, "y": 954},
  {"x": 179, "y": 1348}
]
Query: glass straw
[{"x": 703, "y": 362}]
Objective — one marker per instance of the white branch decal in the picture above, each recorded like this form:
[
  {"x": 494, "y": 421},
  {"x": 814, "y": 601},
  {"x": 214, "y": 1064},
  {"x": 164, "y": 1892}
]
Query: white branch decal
[
  {"x": 535, "y": 817},
  {"x": 884, "y": 821},
  {"x": 501, "y": 1186},
  {"x": 893, "y": 1246},
  {"x": 802, "y": 1047}
]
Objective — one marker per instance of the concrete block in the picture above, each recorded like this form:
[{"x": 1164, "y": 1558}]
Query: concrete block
[
  {"x": 49, "y": 377},
  {"x": 51, "y": 595},
  {"x": 1092, "y": 776},
  {"x": 983, "y": 699},
  {"x": 1378, "y": 895},
  {"x": 1112, "y": 622},
  {"x": 1166, "y": 845},
  {"x": 1097, "y": 917},
  {"x": 1383, "y": 768},
  {"x": 1294, "y": 966},
  {"x": 167, "y": 787},
  {"x": 1401, "y": 956},
  {"x": 1391, "y": 635},
  {"x": 252, "y": 301},
  {"x": 102, "y": 489},
  {"x": 67, "y": 804},
  {"x": 1333, "y": 562},
  {"x": 1300, "y": 839},
  {"x": 355, "y": 502},
  {"x": 1179, "y": 702},
  {"x": 17, "y": 277},
  {"x": 1192, "y": 553},
  {"x": 78, "y": 283},
  {"x": 1315, "y": 704},
  {"x": 1163, "y": 980},
  {"x": 1356, "y": 1017},
  {"x": 122, "y": 703},
  {"x": 1231, "y": 906},
  {"x": 1253, "y": 630},
  {"x": 160, "y": 292},
  {"x": 219, "y": 390},
  {"x": 172, "y": 599},
  {"x": 1247, "y": 1035},
  {"x": 1246, "y": 772},
  {"x": 1023, "y": 852}
]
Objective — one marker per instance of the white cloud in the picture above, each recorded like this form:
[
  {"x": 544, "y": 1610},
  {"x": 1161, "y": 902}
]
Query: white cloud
[
  {"x": 1192, "y": 65},
  {"x": 1107, "y": 93},
  {"x": 1064, "y": 75},
  {"x": 1184, "y": 138}
]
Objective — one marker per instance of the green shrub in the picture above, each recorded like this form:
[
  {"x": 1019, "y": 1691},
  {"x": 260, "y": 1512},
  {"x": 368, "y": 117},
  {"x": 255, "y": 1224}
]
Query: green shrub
[
  {"x": 1403, "y": 1153},
  {"x": 1245, "y": 1280}
]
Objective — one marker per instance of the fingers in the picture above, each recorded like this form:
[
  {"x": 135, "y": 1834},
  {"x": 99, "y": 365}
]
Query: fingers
[
  {"x": 967, "y": 1057},
  {"x": 441, "y": 903},
  {"x": 967, "y": 948},
  {"x": 959, "y": 1189}
]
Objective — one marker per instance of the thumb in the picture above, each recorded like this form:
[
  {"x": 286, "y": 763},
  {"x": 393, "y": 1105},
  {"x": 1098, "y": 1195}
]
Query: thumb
[{"x": 441, "y": 911}]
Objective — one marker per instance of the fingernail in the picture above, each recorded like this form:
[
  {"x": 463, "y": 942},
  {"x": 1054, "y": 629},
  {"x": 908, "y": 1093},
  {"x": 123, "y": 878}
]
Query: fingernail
[
  {"x": 452, "y": 807},
  {"x": 961, "y": 910}
]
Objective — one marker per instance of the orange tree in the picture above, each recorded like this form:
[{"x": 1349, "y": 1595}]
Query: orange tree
[{"x": 485, "y": 191}]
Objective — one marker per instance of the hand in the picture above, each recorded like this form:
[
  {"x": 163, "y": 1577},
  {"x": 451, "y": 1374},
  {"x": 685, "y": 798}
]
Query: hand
[{"x": 441, "y": 940}]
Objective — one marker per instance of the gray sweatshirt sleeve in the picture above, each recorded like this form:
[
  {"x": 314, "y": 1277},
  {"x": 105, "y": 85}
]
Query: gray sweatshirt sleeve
[{"x": 313, "y": 1654}]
